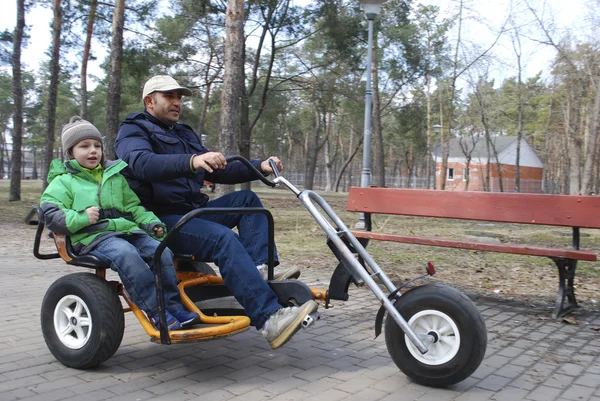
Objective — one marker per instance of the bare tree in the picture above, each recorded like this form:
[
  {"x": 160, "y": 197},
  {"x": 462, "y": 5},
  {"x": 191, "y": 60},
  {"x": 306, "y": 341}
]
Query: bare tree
[
  {"x": 459, "y": 67},
  {"x": 85, "y": 58},
  {"x": 516, "y": 44},
  {"x": 17, "y": 92},
  {"x": 52, "y": 90},
  {"x": 467, "y": 146},
  {"x": 233, "y": 81},
  {"x": 113, "y": 100}
]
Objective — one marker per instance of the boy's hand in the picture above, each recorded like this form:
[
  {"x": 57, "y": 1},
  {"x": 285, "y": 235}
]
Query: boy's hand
[
  {"x": 93, "y": 214},
  {"x": 159, "y": 231}
]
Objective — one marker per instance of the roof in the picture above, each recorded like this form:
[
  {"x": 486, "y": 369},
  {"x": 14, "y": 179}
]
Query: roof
[{"x": 480, "y": 150}]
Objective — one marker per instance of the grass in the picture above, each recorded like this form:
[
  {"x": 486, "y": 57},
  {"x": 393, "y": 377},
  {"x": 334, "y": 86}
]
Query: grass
[{"x": 13, "y": 212}]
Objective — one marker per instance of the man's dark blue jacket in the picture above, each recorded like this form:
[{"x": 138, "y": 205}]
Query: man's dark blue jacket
[{"x": 159, "y": 170}]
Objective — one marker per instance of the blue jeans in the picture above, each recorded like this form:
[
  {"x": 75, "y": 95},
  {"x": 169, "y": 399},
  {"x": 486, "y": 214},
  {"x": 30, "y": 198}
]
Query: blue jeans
[
  {"x": 129, "y": 256},
  {"x": 210, "y": 238}
]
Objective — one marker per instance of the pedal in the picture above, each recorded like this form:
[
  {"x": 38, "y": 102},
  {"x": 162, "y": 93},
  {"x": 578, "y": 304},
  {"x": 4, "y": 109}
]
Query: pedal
[{"x": 310, "y": 319}]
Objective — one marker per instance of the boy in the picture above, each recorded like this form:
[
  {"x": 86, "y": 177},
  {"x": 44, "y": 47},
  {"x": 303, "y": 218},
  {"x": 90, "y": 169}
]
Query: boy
[{"x": 90, "y": 201}]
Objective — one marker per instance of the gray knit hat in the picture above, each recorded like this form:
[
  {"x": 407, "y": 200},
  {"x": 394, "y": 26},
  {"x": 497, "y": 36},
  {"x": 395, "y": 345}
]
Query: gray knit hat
[{"x": 77, "y": 130}]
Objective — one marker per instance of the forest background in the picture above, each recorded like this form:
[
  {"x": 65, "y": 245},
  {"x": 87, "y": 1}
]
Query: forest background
[{"x": 278, "y": 77}]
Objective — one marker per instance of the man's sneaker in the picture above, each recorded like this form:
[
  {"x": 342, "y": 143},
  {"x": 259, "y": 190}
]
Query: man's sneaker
[
  {"x": 284, "y": 323},
  {"x": 172, "y": 322},
  {"x": 185, "y": 317},
  {"x": 280, "y": 273}
]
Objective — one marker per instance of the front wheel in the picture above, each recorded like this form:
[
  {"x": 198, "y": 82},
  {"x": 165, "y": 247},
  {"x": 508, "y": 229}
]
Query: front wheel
[
  {"x": 82, "y": 320},
  {"x": 451, "y": 327}
]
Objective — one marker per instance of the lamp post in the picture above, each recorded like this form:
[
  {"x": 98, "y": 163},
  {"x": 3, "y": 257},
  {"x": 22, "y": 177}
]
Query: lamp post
[
  {"x": 436, "y": 128},
  {"x": 371, "y": 9}
]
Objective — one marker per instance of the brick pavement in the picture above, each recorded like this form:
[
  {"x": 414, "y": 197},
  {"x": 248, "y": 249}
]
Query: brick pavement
[{"x": 529, "y": 356}]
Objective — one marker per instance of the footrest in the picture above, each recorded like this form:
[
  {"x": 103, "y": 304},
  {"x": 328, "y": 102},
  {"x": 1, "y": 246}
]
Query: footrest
[{"x": 309, "y": 320}]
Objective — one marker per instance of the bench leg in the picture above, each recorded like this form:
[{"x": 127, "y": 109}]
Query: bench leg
[{"x": 565, "y": 298}]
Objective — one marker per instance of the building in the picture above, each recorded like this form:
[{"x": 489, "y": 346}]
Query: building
[{"x": 474, "y": 149}]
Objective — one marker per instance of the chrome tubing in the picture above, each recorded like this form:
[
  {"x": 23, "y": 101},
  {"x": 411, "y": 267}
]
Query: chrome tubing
[{"x": 308, "y": 197}]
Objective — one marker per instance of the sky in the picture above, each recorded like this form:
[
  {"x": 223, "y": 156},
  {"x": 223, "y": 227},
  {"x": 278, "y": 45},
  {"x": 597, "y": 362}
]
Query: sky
[{"x": 567, "y": 14}]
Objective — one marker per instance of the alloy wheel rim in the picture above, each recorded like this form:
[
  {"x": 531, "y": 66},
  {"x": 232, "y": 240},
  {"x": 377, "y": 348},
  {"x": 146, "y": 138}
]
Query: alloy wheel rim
[
  {"x": 441, "y": 329},
  {"x": 72, "y": 322}
]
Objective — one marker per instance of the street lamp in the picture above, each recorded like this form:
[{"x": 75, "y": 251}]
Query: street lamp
[
  {"x": 437, "y": 129},
  {"x": 371, "y": 9}
]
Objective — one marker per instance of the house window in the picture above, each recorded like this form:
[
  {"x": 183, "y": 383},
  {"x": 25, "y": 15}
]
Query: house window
[
  {"x": 450, "y": 174},
  {"x": 465, "y": 174}
]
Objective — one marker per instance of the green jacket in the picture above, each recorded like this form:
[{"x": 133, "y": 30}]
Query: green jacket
[{"x": 72, "y": 189}]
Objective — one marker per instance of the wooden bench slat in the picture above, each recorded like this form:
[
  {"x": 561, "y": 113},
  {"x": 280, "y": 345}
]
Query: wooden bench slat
[
  {"x": 479, "y": 246},
  {"x": 553, "y": 210}
]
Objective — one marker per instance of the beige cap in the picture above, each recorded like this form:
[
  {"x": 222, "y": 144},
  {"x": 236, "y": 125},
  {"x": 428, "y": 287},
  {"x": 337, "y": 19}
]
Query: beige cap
[{"x": 163, "y": 83}]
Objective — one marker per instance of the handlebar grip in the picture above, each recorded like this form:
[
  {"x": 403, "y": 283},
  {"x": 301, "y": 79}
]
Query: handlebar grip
[
  {"x": 274, "y": 167},
  {"x": 251, "y": 167}
]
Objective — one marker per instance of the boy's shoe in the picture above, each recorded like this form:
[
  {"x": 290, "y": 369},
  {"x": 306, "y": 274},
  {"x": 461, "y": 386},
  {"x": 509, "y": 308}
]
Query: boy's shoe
[
  {"x": 172, "y": 322},
  {"x": 280, "y": 273},
  {"x": 284, "y": 323},
  {"x": 185, "y": 317}
]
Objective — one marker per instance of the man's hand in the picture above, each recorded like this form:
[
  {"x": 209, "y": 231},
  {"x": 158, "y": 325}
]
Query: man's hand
[
  {"x": 93, "y": 214},
  {"x": 266, "y": 168},
  {"x": 210, "y": 161},
  {"x": 159, "y": 231}
]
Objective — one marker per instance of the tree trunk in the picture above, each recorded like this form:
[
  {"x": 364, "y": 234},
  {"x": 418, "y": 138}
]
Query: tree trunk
[
  {"x": 52, "y": 90},
  {"x": 86, "y": 56},
  {"x": 519, "y": 129},
  {"x": 590, "y": 152},
  {"x": 378, "y": 152},
  {"x": 113, "y": 100},
  {"x": 233, "y": 82},
  {"x": 17, "y": 92},
  {"x": 312, "y": 151},
  {"x": 428, "y": 158}
]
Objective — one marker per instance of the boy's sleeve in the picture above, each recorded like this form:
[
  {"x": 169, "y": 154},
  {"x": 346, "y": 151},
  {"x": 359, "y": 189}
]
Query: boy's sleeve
[
  {"x": 142, "y": 217},
  {"x": 57, "y": 202}
]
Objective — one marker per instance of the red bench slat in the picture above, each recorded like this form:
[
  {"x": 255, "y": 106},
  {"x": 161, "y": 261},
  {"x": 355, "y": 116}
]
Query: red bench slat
[{"x": 479, "y": 246}]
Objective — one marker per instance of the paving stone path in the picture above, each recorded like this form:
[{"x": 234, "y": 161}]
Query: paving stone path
[{"x": 529, "y": 356}]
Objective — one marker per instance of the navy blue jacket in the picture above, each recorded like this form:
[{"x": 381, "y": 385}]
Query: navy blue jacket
[{"x": 159, "y": 172}]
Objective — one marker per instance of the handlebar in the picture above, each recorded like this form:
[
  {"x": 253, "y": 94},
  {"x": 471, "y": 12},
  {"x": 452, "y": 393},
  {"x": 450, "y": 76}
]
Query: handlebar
[{"x": 251, "y": 167}]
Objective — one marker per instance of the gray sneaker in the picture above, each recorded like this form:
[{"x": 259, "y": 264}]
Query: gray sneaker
[
  {"x": 284, "y": 323},
  {"x": 280, "y": 273}
]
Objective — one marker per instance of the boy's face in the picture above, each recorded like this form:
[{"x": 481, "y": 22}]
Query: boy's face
[{"x": 88, "y": 153}]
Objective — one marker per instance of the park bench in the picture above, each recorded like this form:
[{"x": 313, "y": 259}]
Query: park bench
[{"x": 576, "y": 212}]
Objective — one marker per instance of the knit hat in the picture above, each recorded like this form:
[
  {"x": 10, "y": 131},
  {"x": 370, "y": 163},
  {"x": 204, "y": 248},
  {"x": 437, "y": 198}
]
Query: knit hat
[
  {"x": 163, "y": 83},
  {"x": 77, "y": 130}
]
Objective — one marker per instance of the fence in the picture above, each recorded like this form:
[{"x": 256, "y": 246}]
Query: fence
[{"x": 527, "y": 186}]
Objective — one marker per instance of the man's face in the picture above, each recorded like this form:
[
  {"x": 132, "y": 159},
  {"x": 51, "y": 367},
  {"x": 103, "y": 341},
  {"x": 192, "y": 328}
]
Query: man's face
[{"x": 165, "y": 106}]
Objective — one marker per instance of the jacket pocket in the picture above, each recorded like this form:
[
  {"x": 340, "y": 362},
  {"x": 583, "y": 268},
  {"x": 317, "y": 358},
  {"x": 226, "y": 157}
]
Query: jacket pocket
[{"x": 166, "y": 144}]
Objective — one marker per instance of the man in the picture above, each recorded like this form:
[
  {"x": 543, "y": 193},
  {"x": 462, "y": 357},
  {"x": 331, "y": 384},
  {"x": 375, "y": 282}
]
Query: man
[{"x": 167, "y": 168}]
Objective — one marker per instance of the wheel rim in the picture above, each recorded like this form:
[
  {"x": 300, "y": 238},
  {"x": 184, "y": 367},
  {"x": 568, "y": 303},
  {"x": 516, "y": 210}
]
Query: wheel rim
[
  {"x": 72, "y": 322},
  {"x": 443, "y": 330}
]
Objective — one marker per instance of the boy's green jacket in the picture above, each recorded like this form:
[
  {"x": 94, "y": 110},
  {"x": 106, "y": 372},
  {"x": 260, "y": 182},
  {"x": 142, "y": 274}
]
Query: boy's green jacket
[{"x": 72, "y": 189}]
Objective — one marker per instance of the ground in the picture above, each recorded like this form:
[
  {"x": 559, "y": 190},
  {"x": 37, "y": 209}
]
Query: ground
[{"x": 529, "y": 280}]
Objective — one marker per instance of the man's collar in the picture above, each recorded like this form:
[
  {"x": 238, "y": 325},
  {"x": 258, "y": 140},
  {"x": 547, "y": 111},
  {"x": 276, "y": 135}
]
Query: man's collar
[{"x": 157, "y": 121}]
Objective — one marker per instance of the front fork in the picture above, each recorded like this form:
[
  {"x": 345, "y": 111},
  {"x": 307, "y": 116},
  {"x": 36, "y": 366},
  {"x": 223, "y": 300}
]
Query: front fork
[{"x": 337, "y": 238}]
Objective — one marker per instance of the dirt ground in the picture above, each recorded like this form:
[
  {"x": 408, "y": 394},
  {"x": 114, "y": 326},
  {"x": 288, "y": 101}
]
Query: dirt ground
[{"x": 529, "y": 280}]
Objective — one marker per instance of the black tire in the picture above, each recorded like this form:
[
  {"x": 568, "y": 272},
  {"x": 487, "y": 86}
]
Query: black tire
[
  {"x": 195, "y": 267},
  {"x": 459, "y": 348},
  {"x": 93, "y": 306}
]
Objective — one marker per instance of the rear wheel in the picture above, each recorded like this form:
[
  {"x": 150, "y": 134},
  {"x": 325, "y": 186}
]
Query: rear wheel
[
  {"x": 82, "y": 320},
  {"x": 456, "y": 333}
]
